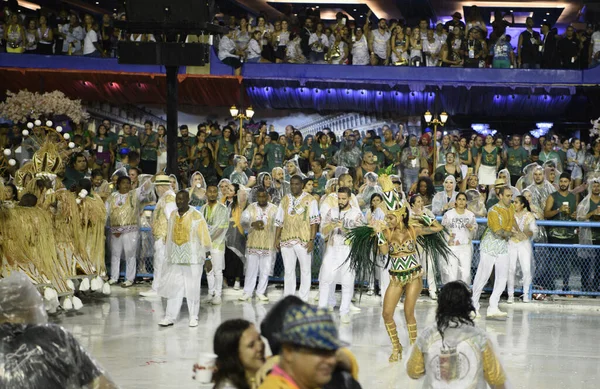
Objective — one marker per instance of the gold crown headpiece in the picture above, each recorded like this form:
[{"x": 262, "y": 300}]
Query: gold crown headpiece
[
  {"x": 394, "y": 204},
  {"x": 47, "y": 159}
]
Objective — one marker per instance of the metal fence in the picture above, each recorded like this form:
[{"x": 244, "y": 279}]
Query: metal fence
[{"x": 568, "y": 269}]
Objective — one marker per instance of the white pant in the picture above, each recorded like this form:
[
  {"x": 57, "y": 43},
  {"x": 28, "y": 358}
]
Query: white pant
[
  {"x": 126, "y": 242},
  {"x": 257, "y": 266},
  {"x": 215, "y": 276},
  {"x": 290, "y": 255},
  {"x": 458, "y": 268},
  {"x": 335, "y": 269},
  {"x": 431, "y": 276},
  {"x": 523, "y": 252},
  {"x": 159, "y": 261},
  {"x": 384, "y": 275},
  {"x": 487, "y": 263},
  {"x": 191, "y": 276}
]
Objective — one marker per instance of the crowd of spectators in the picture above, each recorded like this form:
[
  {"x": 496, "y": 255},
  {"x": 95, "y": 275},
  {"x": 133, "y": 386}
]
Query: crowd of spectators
[
  {"x": 456, "y": 43},
  {"x": 63, "y": 33},
  {"x": 554, "y": 174}
]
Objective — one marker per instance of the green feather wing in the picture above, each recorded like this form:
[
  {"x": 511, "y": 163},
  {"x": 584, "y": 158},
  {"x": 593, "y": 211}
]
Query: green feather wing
[{"x": 363, "y": 252}]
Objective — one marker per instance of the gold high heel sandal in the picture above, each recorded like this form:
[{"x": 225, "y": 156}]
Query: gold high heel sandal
[
  {"x": 412, "y": 333},
  {"x": 396, "y": 346}
]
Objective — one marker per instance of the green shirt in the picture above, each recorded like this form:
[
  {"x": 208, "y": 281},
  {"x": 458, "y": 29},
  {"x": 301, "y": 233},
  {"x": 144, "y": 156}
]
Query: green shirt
[
  {"x": 189, "y": 140},
  {"x": 489, "y": 159},
  {"x": 547, "y": 156},
  {"x": 394, "y": 150},
  {"x": 516, "y": 160},
  {"x": 320, "y": 182},
  {"x": 275, "y": 154},
  {"x": 465, "y": 156},
  {"x": 381, "y": 160},
  {"x": 225, "y": 149},
  {"x": 298, "y": 150},
  {"x": 327, "y": 153},
  {"x": 148, "y": 152},
  {"x": 475, "y": 152},
  {"x": 562, "y": 232}
]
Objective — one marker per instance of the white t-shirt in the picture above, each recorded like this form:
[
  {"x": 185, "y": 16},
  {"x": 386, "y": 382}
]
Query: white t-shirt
[
  {"x": 457, "y": 226},
  {"x": 88, "y": 42},
  {"x": 380, "y": 42}
]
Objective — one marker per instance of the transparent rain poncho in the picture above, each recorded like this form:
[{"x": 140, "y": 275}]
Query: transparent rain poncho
[
  {"x": 441, "y": 199},
  {"x": 585, "y": 234},
  {"x": 505, "y": 175},
  {"x": 35, "y": 354},
  {"x": 476, "y": 204},
  {"x": 527, "y": 178},
  {"x": 540, "y": 192},
  {"x": 284, "y": 188},
  {"x": 197, "y": 190},
  {"x": 260, "y": 183},
  {"x": 292, "y": 168},
  {"x": 369, "y": 188},
  {"x": 236, "y": 177}
]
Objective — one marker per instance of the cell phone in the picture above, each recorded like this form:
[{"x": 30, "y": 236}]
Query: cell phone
[{"x": 470, "y": 171}]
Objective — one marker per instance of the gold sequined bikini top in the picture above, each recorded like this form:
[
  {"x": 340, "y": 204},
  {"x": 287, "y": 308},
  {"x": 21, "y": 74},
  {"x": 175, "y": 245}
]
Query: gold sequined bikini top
[{"x": 400, "y": 250}]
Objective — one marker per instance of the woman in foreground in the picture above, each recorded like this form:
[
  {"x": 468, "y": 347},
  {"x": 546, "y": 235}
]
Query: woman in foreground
[{"x": 455, "y": 353}]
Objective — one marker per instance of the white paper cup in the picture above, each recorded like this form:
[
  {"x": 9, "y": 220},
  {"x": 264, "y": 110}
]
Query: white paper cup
[{"x": 206, "y": 362}]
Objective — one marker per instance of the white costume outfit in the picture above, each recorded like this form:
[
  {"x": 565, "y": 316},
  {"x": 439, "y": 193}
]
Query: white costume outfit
[
  {"x": 494, "y": 256},
  {"x": 459, "y": 268},
  {"x": 123, "y": 214},
  {"x": 295, "y": 217},
  {"x": 335, "y": 267},
  {"x": 217, "y": 218},
  {"x": 329, "y": 203},
  {"x": 160, "y": 221},
  {"x": 260, "y": 246},
  {"x": 522, "y": 251},
  {"x": 188, "y": 240}
]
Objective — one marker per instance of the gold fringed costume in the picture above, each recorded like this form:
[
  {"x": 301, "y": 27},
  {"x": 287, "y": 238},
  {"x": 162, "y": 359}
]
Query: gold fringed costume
[
  {"x": 70, "y": 238},
  {"x": 92, "y": 213},
  {"x": 28, "y": 245}
]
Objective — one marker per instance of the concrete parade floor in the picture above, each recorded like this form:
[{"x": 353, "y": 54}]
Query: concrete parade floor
[{"x": 541, "y": 344}]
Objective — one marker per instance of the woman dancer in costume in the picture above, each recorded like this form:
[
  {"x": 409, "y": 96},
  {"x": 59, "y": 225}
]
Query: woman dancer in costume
[{"x": 399, "y": 239}]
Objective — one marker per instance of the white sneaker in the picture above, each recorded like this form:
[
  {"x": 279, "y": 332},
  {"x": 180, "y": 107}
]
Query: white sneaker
[
  {"x": 345, "y": 319},
  {"x": 216, "y": 300},
  {"x": 77, "y": 304},
  {"x": 85, "y": 285},
  {"x": 193, "y": 323},
  {"x": 354, "y": 308},
  {"x": 165, "y": 322},
  {"x": 245, "y": 297},
  {"x": 526, "y": 299},
  {"x": 475, "y": 315},
  {"x": 370, "y": 292},
  {"x": 492, "y": 313},
  {"x": 330, "y": 309},
  {"x": 510, "y": 300},
  {"x": 126, "y": 284},
  {"x": 236, "y": 286},
  {"x": 433, "y": 295},
  {"x": 262, "y": 297},
  {"x": 149, "y": 293},
  {"x": 112, "y": 282}
]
